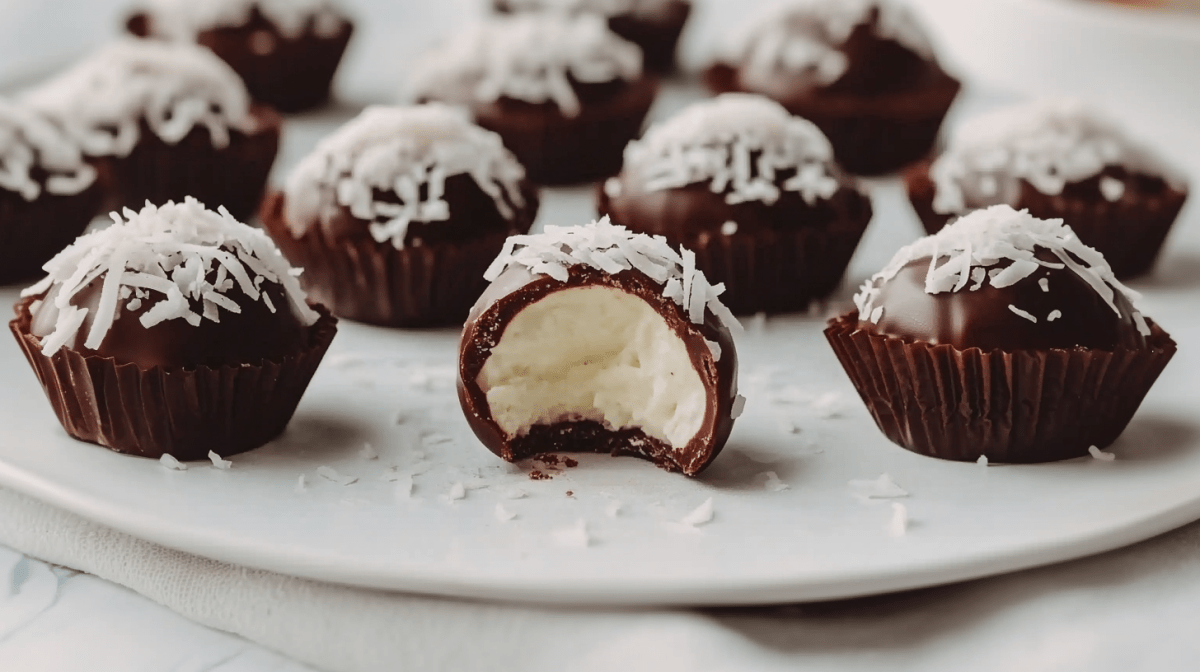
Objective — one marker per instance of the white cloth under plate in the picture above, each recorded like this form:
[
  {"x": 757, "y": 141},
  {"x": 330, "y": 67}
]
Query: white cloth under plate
[{"x": 1132, "y": 609}]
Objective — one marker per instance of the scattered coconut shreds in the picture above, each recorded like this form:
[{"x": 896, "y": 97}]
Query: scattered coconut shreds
[
  {"x": 511, "y": 492},
  {"x": 1111, "y": 188},
  {"x": 529, "y": 56},
  {"x": 184, "y": 19},
  {"x": 168, "y": 461},
  {"x": 1055, "y": 314},
  {"x": 772, "y": 483},
  {"x": 877, "y": 488},
  {"x": 898, "y": 525},
  {"x": 1102, "y": 455},
  {"x": 457, "y": 491},
  {"x": 1044, "y": 284},
  {"x": 368, "y": 452},
  {"x": 389, "y": 166},
  {"x": 613, "y": 509},
  {"x": 560, "y": 247},
  {"x": 729, "y": 228},
  {"x": 504, "y": 515},
  {"x": 1001, "y": 239},
  {"x": 737, "y": 143},
  {"x": 172, "y": 251},
  {"x": 301, "y": 483},
  {"x": 331, "y": 474},
  {"x": 28, "y": 141},
  {"x": 575, "y": 536},
  {"x": 982, "y": 461},
  {"x": 739, "y": 406},
  {"x": 219, "y": 463},
  {"x": 170, "y": 86},
  {"x": 701, "y": 515},
  {"x": 808, "y": 36}
]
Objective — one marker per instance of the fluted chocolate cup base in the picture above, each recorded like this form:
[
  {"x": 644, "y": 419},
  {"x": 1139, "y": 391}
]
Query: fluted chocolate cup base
[
  {"x": 431, "y": 285},
  {"x": 1014, "y": 407},
  {"x": 163, "y": 410}
]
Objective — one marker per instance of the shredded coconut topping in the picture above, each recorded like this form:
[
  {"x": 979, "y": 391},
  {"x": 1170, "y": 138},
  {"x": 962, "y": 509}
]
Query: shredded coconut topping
[
  {"x": 738, "y": 143},
  {"x": 173, "y": 86},
  {"x": 27, "y": 141},
  {"x": 181, "y": 257},
  {"x": 531, "y": 57},
  {"x": 640, "y": 8},
  {"x": 183, "y": 19},
  {"x": 405, "y": 152},
  {"x": 1048, "y": 143},
  {"x": 1003, "y": 241},
  {"x": 612, "y": 249},
  {"x": 807, "y": 34}
]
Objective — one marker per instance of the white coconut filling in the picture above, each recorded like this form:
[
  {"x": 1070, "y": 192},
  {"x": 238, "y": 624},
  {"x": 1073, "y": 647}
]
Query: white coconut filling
[{"x": 594, "y": 353}]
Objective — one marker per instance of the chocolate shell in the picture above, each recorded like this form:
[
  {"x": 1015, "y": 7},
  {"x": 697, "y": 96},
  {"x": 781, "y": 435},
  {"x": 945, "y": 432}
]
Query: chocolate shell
[
  {"x": 1129, "y": 231},
  {"x": 781, "y": 256},
  {"x": 290, "y": 74},
  {"x": 517, "y": 289},
  {"x": 31, "y": 232}
]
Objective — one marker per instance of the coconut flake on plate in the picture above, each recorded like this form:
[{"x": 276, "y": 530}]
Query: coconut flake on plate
[
  {"x": 219, "y": 463},
  {"x": 701, "y": 515},
  {"x": 532, "y": 57},
  {"x": 771, "y": 482},
  {"x": 172, "y": 87},
  {"x": 301, "y": 483},
  {"x": 368, "y": 452},
  {"x": 331, "y": 474},
  {"x": 882, "y": 487},
  {"x": 898, "y": 525},
  {"x": 456, "y": 492},
  {"x": 504, "y": 515},
  {"x": 1101, "y": 455},
  {"x": 168, "y": 461},
  {"x": 575, "y": 536}
]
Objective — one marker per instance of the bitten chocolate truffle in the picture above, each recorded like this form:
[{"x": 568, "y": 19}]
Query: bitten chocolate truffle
[
  {"x": 862, "y": 70},
  {"x": 48, "y": 191},
  {"x": 167, "y": 121},
  {"x": 1057, "y": 158},
  {"x": 592, "y": 338},
  {"x": 653, "y": 25},
  {"x": 177, "y": 330},
  {"x": 564, "y": 92},
  {"x": 1002, "y": 336},
  {"x": 396, "y": 215},
  {"x": 286, "y": 52},
  {"x": 753, "y": 191}
]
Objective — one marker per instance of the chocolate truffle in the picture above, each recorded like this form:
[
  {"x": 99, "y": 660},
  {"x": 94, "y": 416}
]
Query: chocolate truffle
[
  {"x": 592, "y": 338},
  {"x": 48, "y": 191},
  {"x": 753, "y": 190},
  {"x": 176, "y": 330},
  {"x": 862, "y": 70},
  {"x": 564, "y": 92},
  {"x": 1001, "y": 336},
  {"x": 168, "y": 120},
  {"x": 1056, "y": 157},
  {"x": 396, "y": 215},
  {"x": 286, "y": 52},
  {"x": 653, "y": 25}
]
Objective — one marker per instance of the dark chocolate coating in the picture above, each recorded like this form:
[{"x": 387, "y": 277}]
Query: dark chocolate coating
[
  {"x": 294, "y": 75},
  {"x": 432, "y": 281},
  {"x": 982, "y": 318},
  {"x": 657, "y": 35},
  {"x": 783, "y": 254},
  {"x": 517, "y": 289},
  {"x": 32, "y": 232},
  {"x": 557, "y": 149},
  {"x": 1129, "y": 232},
  {"x": 883, "y": 113},
  {"x": 248, "y": 337},
  {"x": 234, "y": 176}
]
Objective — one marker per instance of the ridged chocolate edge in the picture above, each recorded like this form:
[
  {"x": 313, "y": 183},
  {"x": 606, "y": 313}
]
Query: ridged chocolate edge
[
  {"x": 1015, "y": 407},
  {"x": 183, "y": 412}
]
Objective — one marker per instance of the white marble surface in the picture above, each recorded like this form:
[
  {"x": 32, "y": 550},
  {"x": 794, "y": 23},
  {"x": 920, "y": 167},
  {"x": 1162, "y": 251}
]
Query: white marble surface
[{"x": 1135, "y": 608}]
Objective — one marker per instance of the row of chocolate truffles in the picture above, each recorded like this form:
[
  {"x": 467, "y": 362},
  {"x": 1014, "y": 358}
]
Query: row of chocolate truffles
[
  {"x": 567, "y": 93},
  {"x": 180, "y": 331},
  {"x": 136, "y": 121}
]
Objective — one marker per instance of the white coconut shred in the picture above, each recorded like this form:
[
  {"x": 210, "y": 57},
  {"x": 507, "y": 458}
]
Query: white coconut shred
[
  {"x": 408, "y": 152},
  {"x": 530, "y": 57},
  {"x": 28, "y": 141},
  {"x": 997, "y": 246},
  {"x": 183, "y": 19},
  {"x": 738, "y": 143},
  {"x": 173, "y": 86},
  {"x": 607, "y": 8},
  {"x": 1048, "y": 143},
  {"x": 612, "y": 249},
  {"x": 799, "y": 35},
  {"x": 180, "y": 257}
]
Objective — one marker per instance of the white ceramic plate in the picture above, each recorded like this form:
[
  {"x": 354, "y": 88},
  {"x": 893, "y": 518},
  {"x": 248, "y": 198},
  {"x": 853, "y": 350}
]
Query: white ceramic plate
[{"x": 815, "y": 539}]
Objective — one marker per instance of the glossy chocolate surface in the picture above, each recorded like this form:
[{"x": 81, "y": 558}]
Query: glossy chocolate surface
[
  {"x": 516, "y": 289},
  {"x": 983, "y": 319}
]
